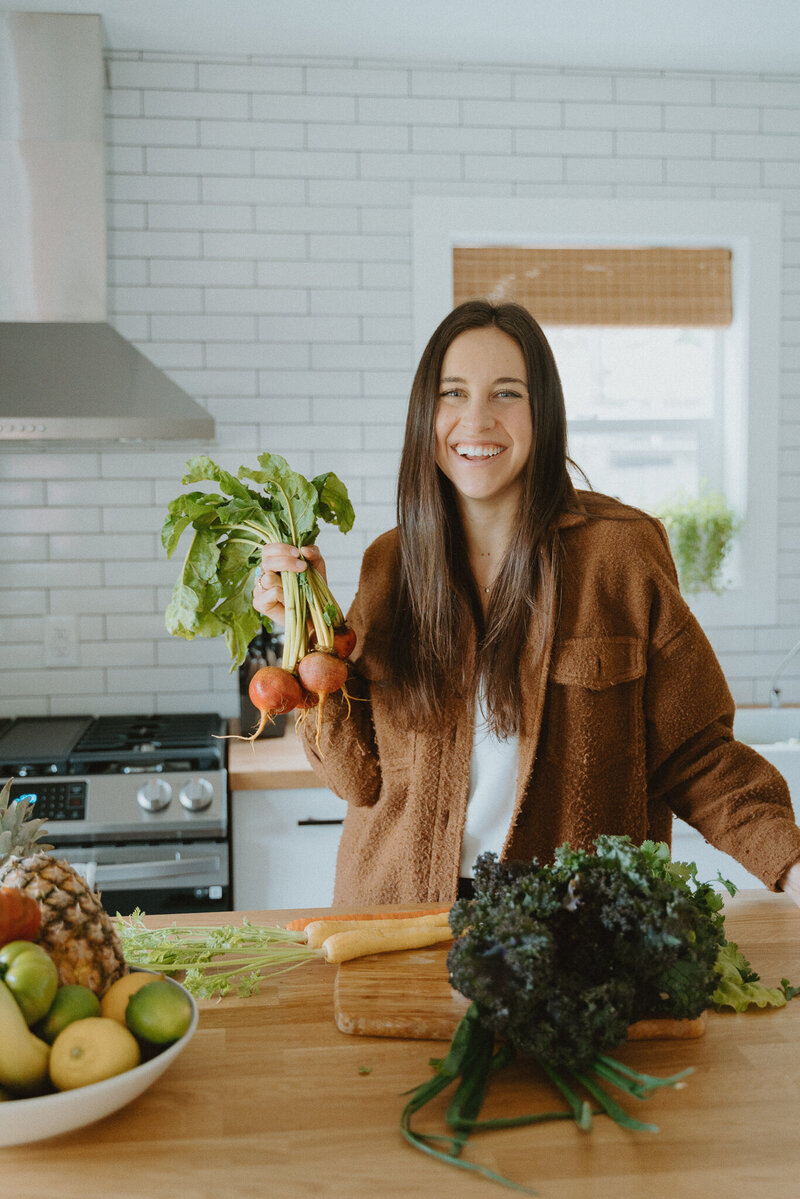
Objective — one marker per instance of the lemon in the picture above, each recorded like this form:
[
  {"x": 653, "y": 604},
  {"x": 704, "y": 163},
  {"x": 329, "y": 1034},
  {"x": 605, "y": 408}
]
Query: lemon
[
  {"x": 115, "y": 1000},
  {"x": 90, "y": 1050},
  {"x": 72, "y": 1002},
  {"x": 159, "y": 1013}
]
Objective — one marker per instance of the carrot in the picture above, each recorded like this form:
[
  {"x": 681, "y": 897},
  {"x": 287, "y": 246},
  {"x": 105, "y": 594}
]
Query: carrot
[
  {"x": 302, "y": 922},
  {"x": 320, "y": 930},
  {"x": 356, "y": 943}
]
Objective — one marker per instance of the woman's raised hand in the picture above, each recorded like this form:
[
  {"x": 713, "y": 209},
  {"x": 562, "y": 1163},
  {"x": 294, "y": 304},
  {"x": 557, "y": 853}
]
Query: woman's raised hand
[{"x": 268, "y": 590}]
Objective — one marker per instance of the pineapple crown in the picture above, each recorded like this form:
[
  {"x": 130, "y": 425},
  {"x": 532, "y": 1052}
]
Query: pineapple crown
[{"x": 18, "y": 834}]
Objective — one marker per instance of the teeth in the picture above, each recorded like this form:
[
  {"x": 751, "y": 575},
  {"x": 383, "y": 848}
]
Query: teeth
[{"x": 478, "y": 451}]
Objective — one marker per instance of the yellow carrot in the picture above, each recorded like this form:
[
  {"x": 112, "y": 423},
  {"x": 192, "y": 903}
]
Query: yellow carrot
[
  {"x": 319, "y": 930},
  {"x": 302, "y": 922},
  {"x": 358, "y": 942}
]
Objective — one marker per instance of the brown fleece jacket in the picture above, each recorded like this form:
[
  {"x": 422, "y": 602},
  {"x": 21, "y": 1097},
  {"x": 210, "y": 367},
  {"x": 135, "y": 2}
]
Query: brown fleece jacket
[{"x": 624, "y": 720}]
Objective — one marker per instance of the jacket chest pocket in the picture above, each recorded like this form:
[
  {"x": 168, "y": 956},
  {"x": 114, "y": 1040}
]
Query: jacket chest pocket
[{"x": 594, "y": 710}]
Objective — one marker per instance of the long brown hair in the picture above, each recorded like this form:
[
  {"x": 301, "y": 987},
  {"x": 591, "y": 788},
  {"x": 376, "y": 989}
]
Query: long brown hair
[{"x": 438, "y": 599}]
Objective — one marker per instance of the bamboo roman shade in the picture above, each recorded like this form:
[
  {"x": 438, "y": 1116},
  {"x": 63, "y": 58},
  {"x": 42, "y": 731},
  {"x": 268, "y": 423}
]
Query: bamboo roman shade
[{"x": 658, "y": 285}]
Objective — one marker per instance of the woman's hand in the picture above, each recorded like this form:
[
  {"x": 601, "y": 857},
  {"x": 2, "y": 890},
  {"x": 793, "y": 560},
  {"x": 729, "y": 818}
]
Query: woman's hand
[
  {"x": 268, "y": 589},
  {"x": 790, "y": 883}
]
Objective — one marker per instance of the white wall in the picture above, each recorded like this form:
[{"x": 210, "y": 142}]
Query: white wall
[{"x": 260, "y": 252}]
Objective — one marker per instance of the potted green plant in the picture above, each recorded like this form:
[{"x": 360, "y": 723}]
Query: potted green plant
[{"x": 701, "y": 530}]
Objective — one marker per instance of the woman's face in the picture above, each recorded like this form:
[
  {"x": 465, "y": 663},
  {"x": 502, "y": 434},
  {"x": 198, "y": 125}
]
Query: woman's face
[{"x": 484, "y": 431}]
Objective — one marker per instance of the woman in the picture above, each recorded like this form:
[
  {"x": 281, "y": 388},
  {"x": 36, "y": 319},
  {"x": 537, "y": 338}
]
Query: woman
[{"x": 527, "y": 672}]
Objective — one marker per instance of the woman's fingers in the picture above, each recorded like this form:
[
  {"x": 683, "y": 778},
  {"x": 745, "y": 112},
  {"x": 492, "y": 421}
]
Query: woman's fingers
[{"x": 268, "y": 588}]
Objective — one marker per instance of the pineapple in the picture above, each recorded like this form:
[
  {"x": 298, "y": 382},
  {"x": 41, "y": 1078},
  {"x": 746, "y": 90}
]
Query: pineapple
[{"x": 76, "y": 930}]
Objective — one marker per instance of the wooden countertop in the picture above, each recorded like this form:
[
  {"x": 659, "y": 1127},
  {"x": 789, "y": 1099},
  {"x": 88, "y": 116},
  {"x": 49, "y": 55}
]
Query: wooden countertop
[
  {"x": 271, "y": 1101},
  {"x": 269, "y": 764}
]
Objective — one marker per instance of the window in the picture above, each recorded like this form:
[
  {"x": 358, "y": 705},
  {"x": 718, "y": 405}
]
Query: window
[
  {"x": 645, "y": 408},
  {"x": 659, "y": 405}
]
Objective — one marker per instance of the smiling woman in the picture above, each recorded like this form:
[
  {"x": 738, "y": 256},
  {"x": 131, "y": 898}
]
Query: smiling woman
[{"x": 527, "y": 673}]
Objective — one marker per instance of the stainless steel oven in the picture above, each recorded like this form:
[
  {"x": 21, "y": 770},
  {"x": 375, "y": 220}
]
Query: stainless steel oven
[{"x": 139, "y": 804}]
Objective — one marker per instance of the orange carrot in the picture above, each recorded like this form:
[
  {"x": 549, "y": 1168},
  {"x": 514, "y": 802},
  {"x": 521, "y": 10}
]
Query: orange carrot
[{"x": 299, "y": 925}]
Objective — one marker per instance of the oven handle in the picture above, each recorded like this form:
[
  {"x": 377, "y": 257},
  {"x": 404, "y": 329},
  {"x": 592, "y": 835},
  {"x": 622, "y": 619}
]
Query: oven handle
[{"x": 135, "y": 871}]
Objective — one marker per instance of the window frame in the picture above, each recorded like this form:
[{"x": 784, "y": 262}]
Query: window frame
[{"x": 751, "y": 343}]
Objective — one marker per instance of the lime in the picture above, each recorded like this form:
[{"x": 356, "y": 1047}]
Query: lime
[
  {"x": 159, "y": 1012},
  {"x": 90, "y": 1050},
  {"x": 72, "y": 1002}
]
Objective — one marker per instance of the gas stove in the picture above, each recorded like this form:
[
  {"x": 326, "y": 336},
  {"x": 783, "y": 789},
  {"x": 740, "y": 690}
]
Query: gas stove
[
  {"x": 137, "y": 803},
  {"x": 140, "y": 777}
]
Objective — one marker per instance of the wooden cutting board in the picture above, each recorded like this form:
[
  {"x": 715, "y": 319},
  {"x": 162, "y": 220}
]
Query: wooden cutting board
[{"x": 408, "y": 994}]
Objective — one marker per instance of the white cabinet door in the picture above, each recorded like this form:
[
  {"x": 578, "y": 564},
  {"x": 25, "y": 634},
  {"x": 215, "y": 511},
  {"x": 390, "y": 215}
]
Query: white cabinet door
[{"x": 284, "y": 848}]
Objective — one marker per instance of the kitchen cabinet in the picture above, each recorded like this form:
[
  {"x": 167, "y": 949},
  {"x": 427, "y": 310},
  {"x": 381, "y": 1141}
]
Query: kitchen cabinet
[{"x": 284, "y": 844}]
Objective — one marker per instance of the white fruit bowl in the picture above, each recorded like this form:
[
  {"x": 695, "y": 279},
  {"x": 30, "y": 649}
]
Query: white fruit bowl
[{"x": 24, "y": 1120}]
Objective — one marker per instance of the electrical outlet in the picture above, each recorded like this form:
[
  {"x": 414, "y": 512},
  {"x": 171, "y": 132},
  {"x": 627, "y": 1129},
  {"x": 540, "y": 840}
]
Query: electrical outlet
[{"x": 61, "y": 641}]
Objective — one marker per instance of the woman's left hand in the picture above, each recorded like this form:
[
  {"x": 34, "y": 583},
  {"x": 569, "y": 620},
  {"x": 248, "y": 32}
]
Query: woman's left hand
[{"x": 790, "y": 883}]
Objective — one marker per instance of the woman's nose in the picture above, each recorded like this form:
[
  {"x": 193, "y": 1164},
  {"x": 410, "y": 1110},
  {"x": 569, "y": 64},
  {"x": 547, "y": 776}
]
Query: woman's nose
[{"x": 478, "y": 415}]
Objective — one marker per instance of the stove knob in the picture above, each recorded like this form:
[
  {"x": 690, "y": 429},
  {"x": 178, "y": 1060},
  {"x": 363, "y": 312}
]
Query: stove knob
[
  {"x": 196, "y": 794},
  {"x": 154, "y": 795}
]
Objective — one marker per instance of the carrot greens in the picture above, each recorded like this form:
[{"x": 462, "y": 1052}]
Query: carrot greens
[{"x": 216, "y": 960}]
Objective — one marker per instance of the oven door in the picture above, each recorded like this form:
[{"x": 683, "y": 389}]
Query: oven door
[{"x": 159, "y": 879}]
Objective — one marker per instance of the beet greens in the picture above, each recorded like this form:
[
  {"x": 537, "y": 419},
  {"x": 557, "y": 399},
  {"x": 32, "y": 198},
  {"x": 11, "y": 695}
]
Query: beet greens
[{"x": 214, "y": 594}]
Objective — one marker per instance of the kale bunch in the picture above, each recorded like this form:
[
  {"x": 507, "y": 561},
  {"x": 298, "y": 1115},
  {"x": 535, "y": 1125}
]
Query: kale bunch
[{"x": 560, "y": 959}]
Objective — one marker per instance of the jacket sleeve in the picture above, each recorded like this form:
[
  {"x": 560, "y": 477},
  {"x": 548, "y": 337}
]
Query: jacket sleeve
[
  {"x": 339, "y": 741},
  {"x": 722, "y": 787}
]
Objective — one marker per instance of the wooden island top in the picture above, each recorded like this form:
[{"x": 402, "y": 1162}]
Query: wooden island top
[{"x": 270, "y": 1100}]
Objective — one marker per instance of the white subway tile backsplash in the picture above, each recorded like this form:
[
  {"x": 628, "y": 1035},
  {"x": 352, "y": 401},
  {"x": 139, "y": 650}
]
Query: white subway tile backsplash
[
  {"x": 461, "y": 83},
  {"x": 24, "y": 492},
  {"x": 612, "y": 116},
  {"x": 249, "y": 77},
  {"x": 516, "y": 167},
  {"x": 470, "y": 140},
  {"x": 62, "y": 492},
  {"x": 145, "y": 131},
  {"x": 653, "y": 144},
  {"x": 255, "y": 135},
  {"x": 219, "y": 105},
  {"x": 356, "y": 81},
  {"x": 140, "y": 73},
  {"x": 306, "y": 219},
  {"x": 357, "y": 137},
  {"x": 202, "y": 160},
  {"x": 183, "y": 272},
  {"x": 260, "y": 252},
  {"x": 663, "y": 89},
  {"x": 567, "y": 141},
  {"x": 338, "y": 109},
  {"x": 158, "y": 188},
  {"x": 254, "y": 246},
  {"x": 555, "y": 85},
  {"x": 102, "y": 547},
  {"x": 200, "y": 216},
  {"x": 311, "y": 164}
]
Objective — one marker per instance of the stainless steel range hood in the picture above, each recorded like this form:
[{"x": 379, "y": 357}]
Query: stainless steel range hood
[{"x": 65, "y": 373}]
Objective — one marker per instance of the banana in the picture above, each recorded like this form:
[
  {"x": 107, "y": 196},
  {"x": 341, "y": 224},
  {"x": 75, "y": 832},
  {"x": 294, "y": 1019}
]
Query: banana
[{"x": 23, "y": 1056}]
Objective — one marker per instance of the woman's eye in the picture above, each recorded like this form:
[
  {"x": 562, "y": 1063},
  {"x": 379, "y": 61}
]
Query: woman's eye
[{"x": 507, "y": 395}]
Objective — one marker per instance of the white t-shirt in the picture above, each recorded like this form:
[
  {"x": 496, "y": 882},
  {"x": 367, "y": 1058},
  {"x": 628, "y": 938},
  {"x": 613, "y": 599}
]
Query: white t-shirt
[{"x": 492, "y": 789}]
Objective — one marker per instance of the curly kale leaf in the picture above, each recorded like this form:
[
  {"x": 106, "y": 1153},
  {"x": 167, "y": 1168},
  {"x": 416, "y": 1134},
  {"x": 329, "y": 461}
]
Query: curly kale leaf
[{"x": 560, "y": 959}]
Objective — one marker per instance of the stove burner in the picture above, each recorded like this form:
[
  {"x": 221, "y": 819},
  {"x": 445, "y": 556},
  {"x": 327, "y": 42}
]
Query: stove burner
[{"x": 112, "y": 744}]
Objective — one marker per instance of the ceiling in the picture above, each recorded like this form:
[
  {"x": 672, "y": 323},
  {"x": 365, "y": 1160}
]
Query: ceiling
[{"x": 681, "y": 35}]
